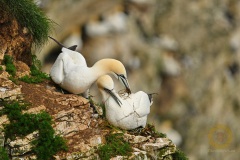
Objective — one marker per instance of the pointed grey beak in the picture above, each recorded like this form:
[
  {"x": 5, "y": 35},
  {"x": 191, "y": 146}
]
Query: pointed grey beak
[
  {"x": 113, "y": 96},
  {"x": 125, "y": 83}
]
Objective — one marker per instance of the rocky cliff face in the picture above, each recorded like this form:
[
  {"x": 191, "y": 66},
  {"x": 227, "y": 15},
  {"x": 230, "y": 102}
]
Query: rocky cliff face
[
  {"x": 15, "y": 40},
  {"x": 73, "y": 119},
  {"x": 186, "y": 51}
]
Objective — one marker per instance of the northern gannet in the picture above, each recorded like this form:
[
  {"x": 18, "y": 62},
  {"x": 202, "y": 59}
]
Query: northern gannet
[
  {"x": 71, "y": 72},
  {"x": 129, "y": 112}
]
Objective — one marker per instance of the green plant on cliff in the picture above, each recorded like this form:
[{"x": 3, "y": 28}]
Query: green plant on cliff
[
  {"x": 115, "y": 145},
  {"x": 37, "y": 75},
  {"x": 21, "y": 124},
  {"x": 179, "y": 155},
  {"x": 3, "y": 154},
  {"x": 30, "y": 16},
  {"x": 10, "y": 67}
]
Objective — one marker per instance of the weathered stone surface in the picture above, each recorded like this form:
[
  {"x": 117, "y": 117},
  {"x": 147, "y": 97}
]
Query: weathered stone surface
[
  {"x": 139, "y": 153},
  {"x": 8, "y": 88},
  {"x": 35, "y": 110},
  {"x": 73, "y": 101},
  {"x": 4, "y": 74},
  {"x": 162, "y": 148},
  {"x": 13, "y": 40},
  {"x": 2, "y": 138},
  {"x": 96, "y": 140},
  {"x": 22, "y": 69},
  {"x": 68, "y": 122},
  {"x": 3, "y": 120},
  {"x": 89, "y": 155},
  {"x": 135, "y": 139},
  {"x": 21, "y": 146}
]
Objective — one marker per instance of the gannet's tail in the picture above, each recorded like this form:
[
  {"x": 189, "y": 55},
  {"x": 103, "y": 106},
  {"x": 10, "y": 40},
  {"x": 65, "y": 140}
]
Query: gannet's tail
[
  {"x": 150, "y": 96},
  {"x": 73, "y": 48}
]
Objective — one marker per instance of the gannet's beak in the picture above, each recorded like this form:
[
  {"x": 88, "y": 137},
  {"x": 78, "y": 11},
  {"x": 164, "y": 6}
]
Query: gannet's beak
[
  {"x": 125, "y": 83},
  {"x": 113, "y": 96}
]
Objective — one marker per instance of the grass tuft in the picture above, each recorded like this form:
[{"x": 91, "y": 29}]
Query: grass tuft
[
  {"x": 10, "y": 67},
  {"x": 115, "y": 145},
  {"x": 37, "y": 76},
  {"x": 3, "y": 154},
  {"x": 179, "y": 155},
  {"x": 29, "y": 15},
  {"x": 47, "y": 144}
]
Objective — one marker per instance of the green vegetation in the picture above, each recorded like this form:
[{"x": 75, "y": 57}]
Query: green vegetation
[
  {"x": 179, "y": 155},
  {"x": 1, "y": 68},
  {"x": 47, "y": 144},
  {"x": 115, "y": 145},
  {"x": 37, "y": 76},
  {"x": 3, "y": 154},
  {"x": 30, "y": 16},
  {"x": 10, "y": 68}
]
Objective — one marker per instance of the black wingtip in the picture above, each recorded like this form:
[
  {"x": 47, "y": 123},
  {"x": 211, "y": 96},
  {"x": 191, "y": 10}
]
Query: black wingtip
[
  {"x": 60, "y": 44},
  {"x": 73, "y": 48}
]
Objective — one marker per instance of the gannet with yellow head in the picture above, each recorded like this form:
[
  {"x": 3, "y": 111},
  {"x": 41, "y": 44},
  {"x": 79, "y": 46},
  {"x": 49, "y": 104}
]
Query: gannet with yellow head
[
  {"x": 128, "y": 112},
  {"x": 71, "y": 72}
]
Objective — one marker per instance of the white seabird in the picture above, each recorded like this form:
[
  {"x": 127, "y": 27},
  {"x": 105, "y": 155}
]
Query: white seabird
[
  {"x": 71, "y": 72},
  {"x": 129, "y": 112}
]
